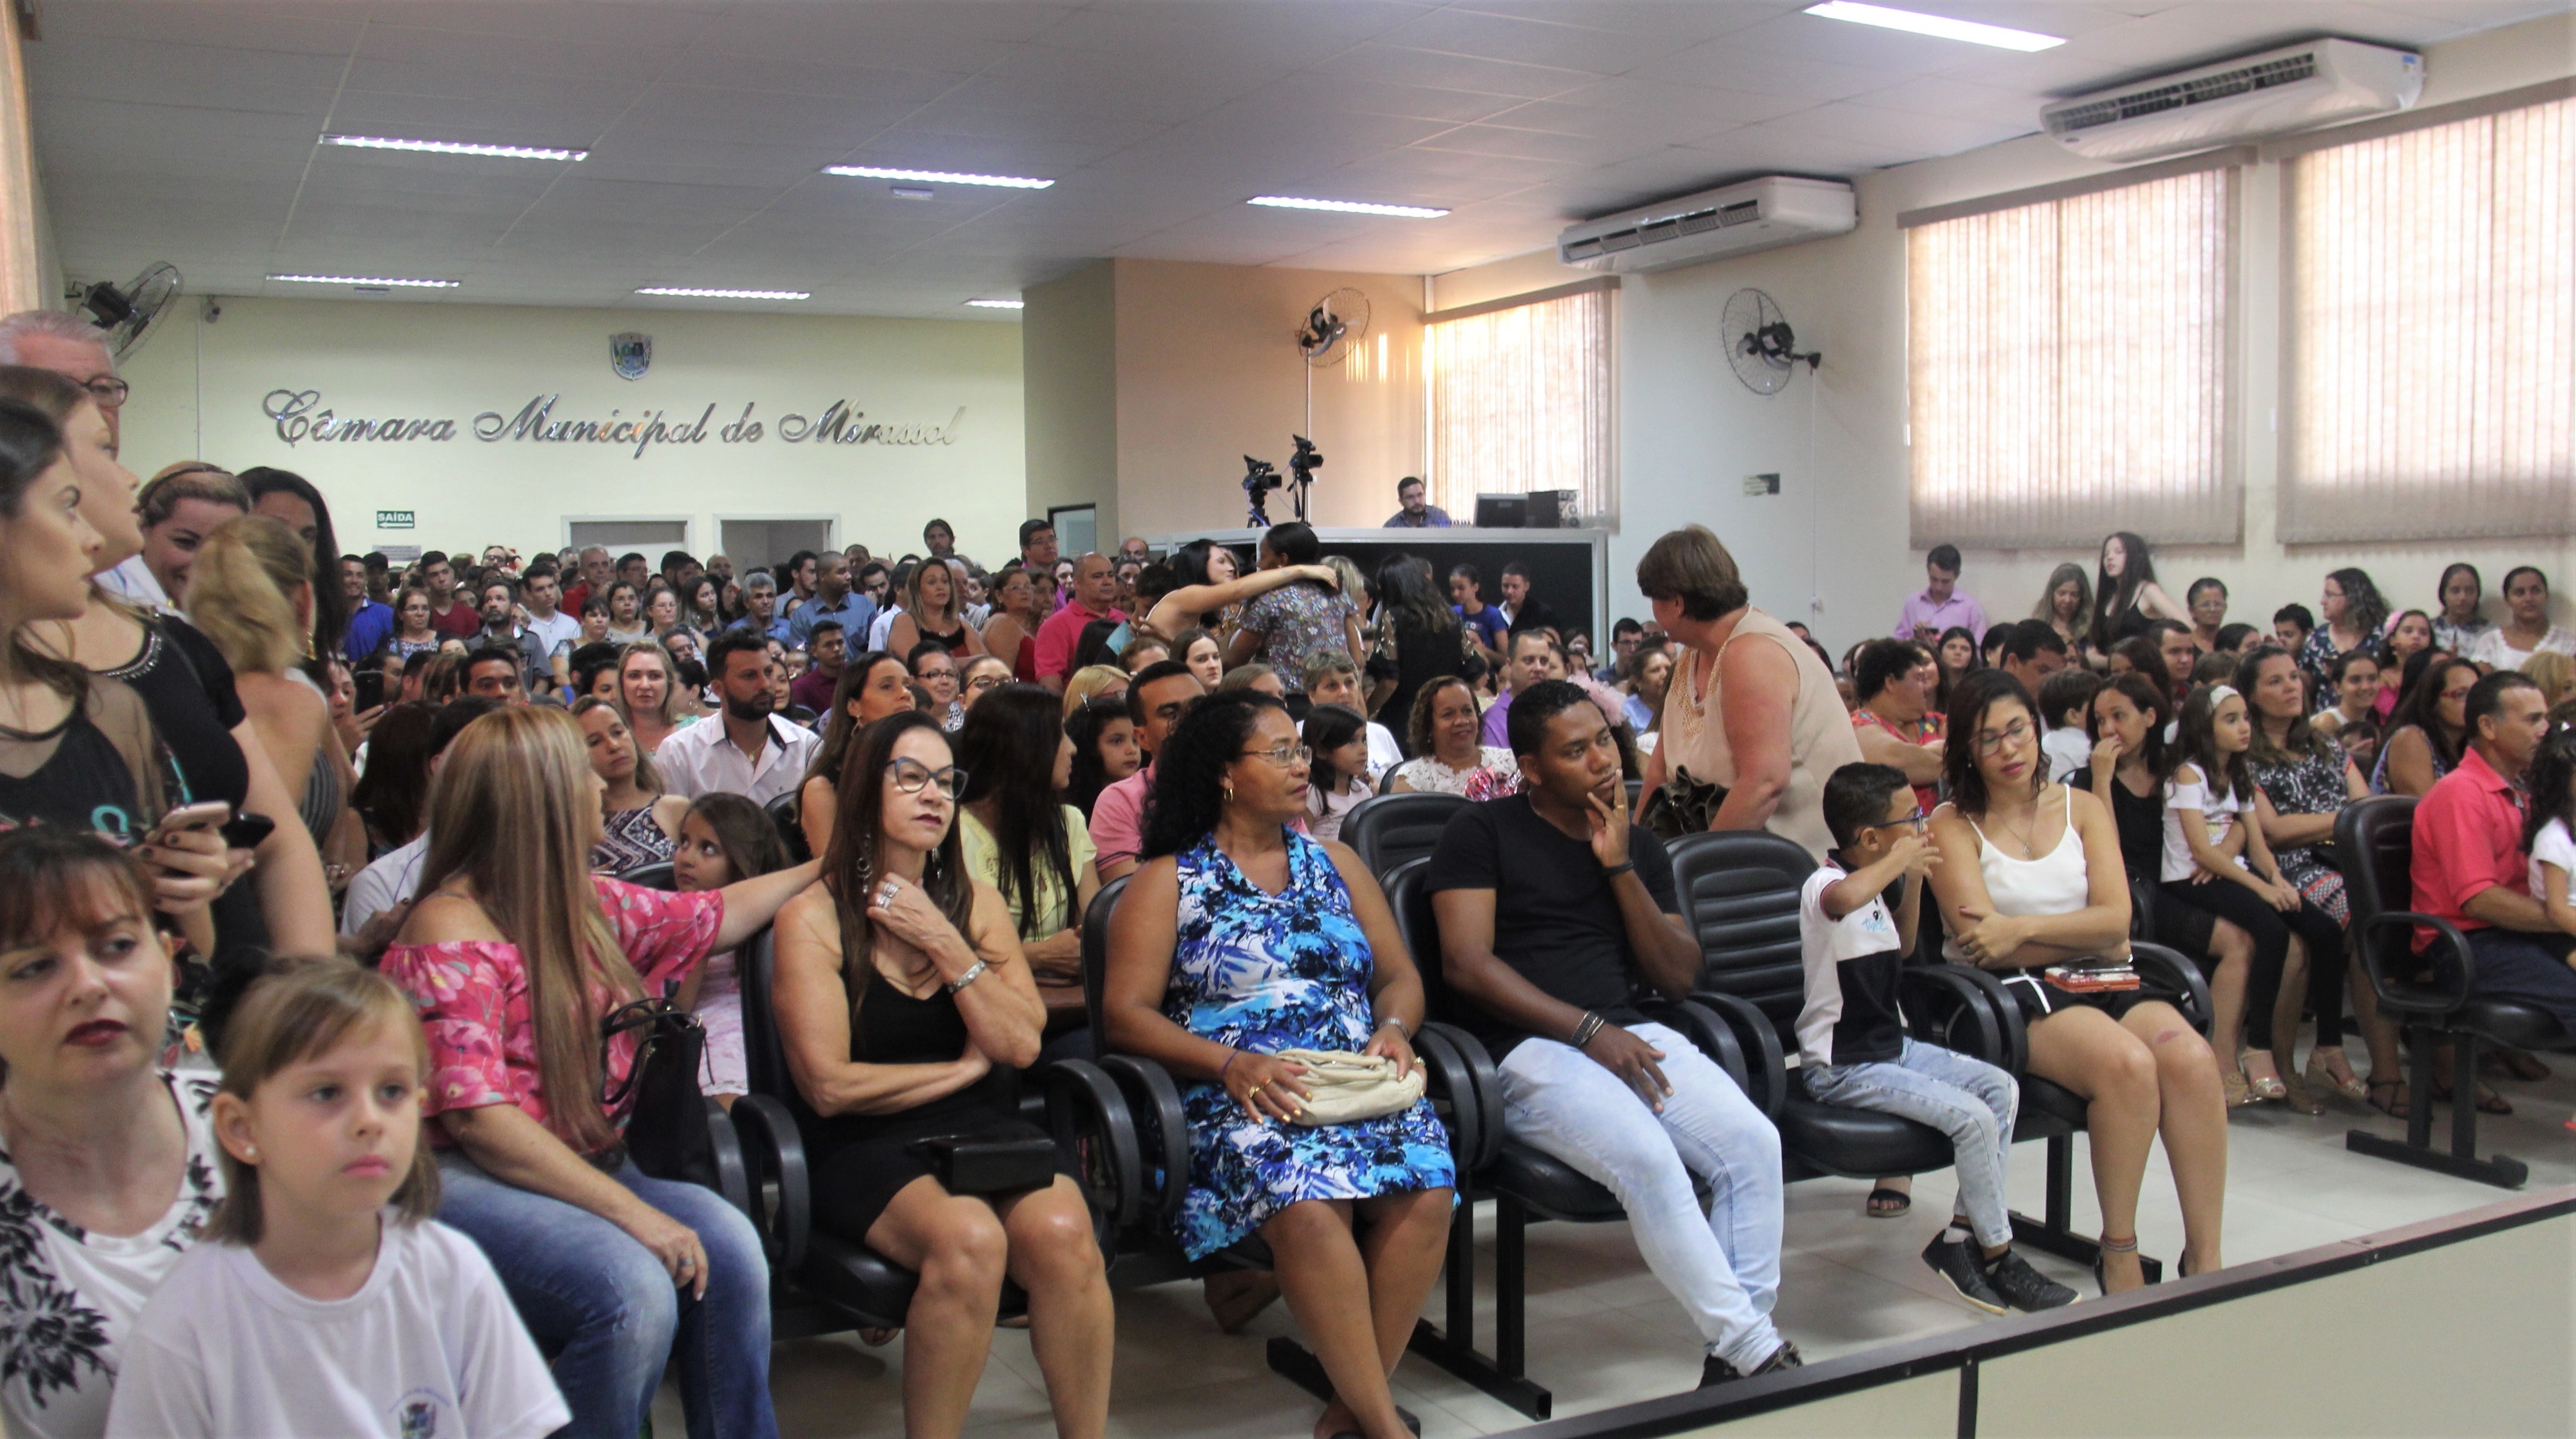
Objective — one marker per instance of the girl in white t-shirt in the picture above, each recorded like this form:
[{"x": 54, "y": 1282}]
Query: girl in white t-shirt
[
  {"x": 326, "y": 1300},
  {"x": 2548, "y": 834},
  {"x": 2215, "y": 858}
]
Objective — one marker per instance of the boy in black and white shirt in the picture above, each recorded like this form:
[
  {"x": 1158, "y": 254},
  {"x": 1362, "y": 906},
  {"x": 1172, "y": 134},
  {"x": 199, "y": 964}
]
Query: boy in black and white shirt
[{"x": 1852, "y": 1047}]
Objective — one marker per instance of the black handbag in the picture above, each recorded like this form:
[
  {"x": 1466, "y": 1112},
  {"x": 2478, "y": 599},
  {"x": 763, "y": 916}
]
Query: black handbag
[
  {"x": 667, "y": 1133},
  {"x": 987, "y": 1164},
  {"x": 1680, "y": 806}
]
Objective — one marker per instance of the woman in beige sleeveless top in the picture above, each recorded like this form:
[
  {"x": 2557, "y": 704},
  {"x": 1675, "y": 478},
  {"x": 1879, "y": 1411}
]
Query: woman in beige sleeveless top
[{"x": 1759, "y": 719}]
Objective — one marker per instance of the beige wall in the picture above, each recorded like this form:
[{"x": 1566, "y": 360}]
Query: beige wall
[
  {"x": 1205, "y": 370},
  {"x": 1833, "y": 546},
  {"x": 199, "y": 389}
]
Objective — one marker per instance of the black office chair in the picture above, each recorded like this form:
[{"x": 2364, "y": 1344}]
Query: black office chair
[
  {"x": 1739, "y": 890},
  {"x": 783, "y": 813},
  {"x": 1524, "y": 1183},
  {"x": 822, "y": 1283},
  {"x": 1146, "y": 1252},
  {"x": 2433, "y": 995},
  {"x": 657, "y": 875},
  {"x": 1389, "y": 829}
]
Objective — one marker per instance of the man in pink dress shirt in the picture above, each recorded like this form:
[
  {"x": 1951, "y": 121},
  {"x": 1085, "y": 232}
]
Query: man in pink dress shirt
[{"x": 1940, "y": 605}]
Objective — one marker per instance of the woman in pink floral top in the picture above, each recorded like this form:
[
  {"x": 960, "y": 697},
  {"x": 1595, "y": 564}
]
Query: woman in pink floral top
[{"x": 514, "y": 954}]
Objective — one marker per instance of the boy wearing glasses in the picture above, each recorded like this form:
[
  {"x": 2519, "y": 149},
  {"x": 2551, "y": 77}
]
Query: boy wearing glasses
[{"x": 1852, "y": 1047}]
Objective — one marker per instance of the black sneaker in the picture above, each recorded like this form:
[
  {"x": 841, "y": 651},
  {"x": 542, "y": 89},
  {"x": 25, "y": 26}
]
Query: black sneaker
[
  {"x": 1957, "y": 1263},
  {"x": 2023, "y": 1287},
  {"x": 1714, "y": 1371}
]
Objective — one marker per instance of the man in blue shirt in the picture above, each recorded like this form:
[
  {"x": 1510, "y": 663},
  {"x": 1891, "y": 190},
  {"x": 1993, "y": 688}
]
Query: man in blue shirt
[
  {"x": 369, "y": 623},
  {"x": 833, "y": 600},
  {"x": 760, "y": 607},
  {"x": 1416, "y": 514}
]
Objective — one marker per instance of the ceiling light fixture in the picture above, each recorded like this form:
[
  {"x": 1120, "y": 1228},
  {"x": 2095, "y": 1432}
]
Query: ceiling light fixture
[
  {"x": 451, "y": 147},
  {"x": 1940, "y": 26},
  {"x": 690, "y": 292},
  {"x": 999, "y": 304},
  {"x": 939, "y": 177},
  {"x": 378, "y": 281},
  {"x": 1352, "y": 207}
]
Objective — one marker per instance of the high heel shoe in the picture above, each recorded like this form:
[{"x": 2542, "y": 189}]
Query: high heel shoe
[
  {"x": 2108, "y": 1245},
  {"x": 2321, "y": 1079},
  {"x": 2268, "y": 1086}
]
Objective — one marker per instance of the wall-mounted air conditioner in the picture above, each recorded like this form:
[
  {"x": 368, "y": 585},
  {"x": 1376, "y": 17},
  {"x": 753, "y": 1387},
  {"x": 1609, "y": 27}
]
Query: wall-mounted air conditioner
[
  {"x": 1713, "y": 224},
  {"x": 2297, "y": 87}
]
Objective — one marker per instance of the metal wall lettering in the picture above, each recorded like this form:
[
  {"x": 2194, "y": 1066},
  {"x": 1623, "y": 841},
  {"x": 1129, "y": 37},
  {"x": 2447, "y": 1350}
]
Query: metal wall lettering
[{"x": 300, "y": 415}]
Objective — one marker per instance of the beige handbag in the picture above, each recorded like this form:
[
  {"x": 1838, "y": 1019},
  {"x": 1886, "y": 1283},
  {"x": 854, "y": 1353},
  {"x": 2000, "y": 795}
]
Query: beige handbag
[{"x": 1342, "y": 1087}]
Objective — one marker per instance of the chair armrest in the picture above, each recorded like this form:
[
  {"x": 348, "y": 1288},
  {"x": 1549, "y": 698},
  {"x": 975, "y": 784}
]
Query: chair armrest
[
  {"x": 733, "y": 1181},
  {"x": 1162, "y": 1132},
  {"x": 1478, "y": 1064},
  {"x": 778, "y": 1151},
  {"x": 2448, "y": 991},
  {"x": 1450, "y": 1082},
  {"x": 2167, "y": 970},
  {"x": 1083, "y": 1104},
  {"x": 1740, "y": 1037},
  {"x": 2006, "y": 1010},
  {"x": 1943, "y": 1006}
]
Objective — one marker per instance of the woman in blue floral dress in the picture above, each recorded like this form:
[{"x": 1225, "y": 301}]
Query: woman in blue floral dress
[{"x": 1237, "y": 939}]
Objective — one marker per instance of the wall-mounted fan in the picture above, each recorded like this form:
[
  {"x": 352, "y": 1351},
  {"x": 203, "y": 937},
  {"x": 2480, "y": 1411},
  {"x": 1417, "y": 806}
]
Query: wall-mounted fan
[
  {"x": 1333, "y": 328},
  {"x": 1760, "y": 344},
  {"x": 129, "y": 312}
]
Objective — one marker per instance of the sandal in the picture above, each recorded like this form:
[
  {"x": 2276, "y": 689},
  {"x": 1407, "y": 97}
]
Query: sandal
[
  {"x": 1886, "y": 1203},
  {"x": 2321, "y": 1078},
  {"x": 2489, "y": 1102},
  {"x": 2396, "y": 1106},
  {"x": 2268, "y": 1086},
  {"x": 2525, "y": 1067},
  {"x": 2298, "y": 1099},
  {"x": 2231, "y": 1087}
]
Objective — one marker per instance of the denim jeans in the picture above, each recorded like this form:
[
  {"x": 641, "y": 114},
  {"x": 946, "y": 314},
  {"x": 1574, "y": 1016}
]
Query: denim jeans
[
  {"x": 1967, "y": 1099},
  {"x": 1723, "y": 1265},
  {"x": 607, "y": 1310}
]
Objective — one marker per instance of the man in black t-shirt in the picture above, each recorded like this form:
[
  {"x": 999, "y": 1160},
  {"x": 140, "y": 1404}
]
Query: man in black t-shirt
[{"x": 1557, "y": 917}]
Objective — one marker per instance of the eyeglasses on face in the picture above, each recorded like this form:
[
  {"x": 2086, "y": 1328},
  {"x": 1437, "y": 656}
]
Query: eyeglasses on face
[
  {"x": 108, "y": 390},
  {"x": 911, "y": 774},
  {"x": 983, "y": 682},
  {"x": 1286, "y": 756},
  {"x": 1915, "y": 822},
  {"x": 2014, "y": 734}
]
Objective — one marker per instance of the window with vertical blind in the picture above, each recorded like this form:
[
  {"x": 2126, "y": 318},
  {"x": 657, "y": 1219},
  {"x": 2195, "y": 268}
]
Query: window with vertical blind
[
  {"x": 2067, "y": 367},
  {"x": 2431, "y": 330},
  {"x": 1521, "y": 400}
]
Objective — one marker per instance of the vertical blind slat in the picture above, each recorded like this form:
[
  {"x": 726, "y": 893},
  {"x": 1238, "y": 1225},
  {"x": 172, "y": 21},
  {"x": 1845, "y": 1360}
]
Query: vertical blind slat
[{"x": 1521, "y": 401}]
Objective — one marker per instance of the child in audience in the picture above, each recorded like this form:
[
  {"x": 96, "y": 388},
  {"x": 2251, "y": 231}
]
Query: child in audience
[
  {"x": 1852, "y": 1045},
  {"x": 2360, "y": 740},
  {"x": 2547, "y": 835},
  {"x": 2065, "y": 698},
  {"x": 724, "y": 838},
  {"x": 327, "y": 1300},
  {"x": 1339, "y": 777}
]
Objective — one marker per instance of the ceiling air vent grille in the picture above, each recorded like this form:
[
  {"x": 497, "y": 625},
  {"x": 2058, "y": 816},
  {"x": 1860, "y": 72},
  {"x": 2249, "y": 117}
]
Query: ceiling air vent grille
[
  {"x": 1743, "y": 212},
  {"x": 2199, "y": 90}
]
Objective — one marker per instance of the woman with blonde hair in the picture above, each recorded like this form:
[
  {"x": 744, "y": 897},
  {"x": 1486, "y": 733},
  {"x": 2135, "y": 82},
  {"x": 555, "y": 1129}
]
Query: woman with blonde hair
[
  {"x": 179, "y": 507},
  {"x": 251, "y": 596},
  {"x": 2067, "y": 605},
  {"x": 2554, "y": 673},
  {"x": 1093, "y": 682},
  {"x": 639, "y": 822},
  {"x": 931, "y": 612},
  {"x": 184, "y": 683},
  {"x": 647, "y": 694},
  {"x": 515, "y": 954}
]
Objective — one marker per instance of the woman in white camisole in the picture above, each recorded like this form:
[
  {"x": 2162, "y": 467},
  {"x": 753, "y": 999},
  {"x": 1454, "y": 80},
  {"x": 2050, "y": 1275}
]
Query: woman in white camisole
[{"x": 2030, "y": 876}]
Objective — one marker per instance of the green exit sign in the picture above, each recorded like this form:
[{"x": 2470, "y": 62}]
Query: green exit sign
[{"x": 393, "y": 519}]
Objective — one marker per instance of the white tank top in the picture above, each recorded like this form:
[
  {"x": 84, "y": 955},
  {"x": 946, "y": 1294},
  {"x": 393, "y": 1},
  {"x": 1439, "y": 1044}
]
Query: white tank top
[{"x": 2055, "y": 883}]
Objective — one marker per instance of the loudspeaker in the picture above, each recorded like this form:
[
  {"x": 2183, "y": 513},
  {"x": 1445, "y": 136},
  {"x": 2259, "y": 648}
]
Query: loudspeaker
[{"x": 1552, "y": 510}]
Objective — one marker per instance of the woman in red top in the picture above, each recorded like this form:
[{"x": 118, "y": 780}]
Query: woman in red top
[
  {"x": 514, "y": 954},
  {"x": 1895, "y": 681}
]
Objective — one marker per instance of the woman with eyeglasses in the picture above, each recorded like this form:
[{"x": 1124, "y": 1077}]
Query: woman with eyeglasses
[
  {"x": 2031, "y": 877},
  {"x": 2427, "y": 731},
  {"x": 1239, "y": 938},
  {"x": 906, "y": 1011}
]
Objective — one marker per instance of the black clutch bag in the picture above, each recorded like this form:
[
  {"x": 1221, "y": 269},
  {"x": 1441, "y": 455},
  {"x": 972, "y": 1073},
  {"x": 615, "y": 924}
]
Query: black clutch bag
[
  {"x": 987, "y": 1164},
  {"x": 1680, "y": 806}
]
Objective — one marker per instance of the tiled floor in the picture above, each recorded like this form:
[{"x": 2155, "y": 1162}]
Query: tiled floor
[{"x": 1603, "y": 1332}]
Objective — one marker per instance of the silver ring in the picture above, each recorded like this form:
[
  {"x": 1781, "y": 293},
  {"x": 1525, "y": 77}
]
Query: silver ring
[
  {"x": 886, "y": 894},
  {"x": 687, "y": 1263}
]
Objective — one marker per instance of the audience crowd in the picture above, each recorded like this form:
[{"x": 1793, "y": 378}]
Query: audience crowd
[{"x": 337, "y": 896}]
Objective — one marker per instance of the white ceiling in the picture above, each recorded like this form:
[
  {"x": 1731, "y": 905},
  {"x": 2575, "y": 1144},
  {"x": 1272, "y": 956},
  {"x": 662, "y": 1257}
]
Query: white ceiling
[{"x": 187, "y": 131}]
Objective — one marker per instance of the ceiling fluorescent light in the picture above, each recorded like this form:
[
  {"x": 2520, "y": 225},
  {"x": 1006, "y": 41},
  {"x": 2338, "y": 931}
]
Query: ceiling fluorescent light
[
  {"x": 999, "y": 304},
  {"x": 699, "y": 294},
  {"x": 937, "y": 177},
  {"x": 449, "y": 147},
  {"x": 1941, "y": 26},
  {"x": 1353, "y": 207},
  {"x": 372, "y": 280}
]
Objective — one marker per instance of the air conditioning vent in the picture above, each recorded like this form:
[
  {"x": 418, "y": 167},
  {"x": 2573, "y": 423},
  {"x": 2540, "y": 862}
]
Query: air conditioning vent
[
  {"x": 2274, "y": 93},
  {"x": 1734, "y": 220}
]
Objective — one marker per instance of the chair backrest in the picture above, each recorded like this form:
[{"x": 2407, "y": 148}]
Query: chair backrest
[
  {"x": 2375, "y": 847},
  {"x": 783, "y": 812},
  {"x": 764, "y": 1059},
  {"x": 1095, "y": 953},
  {"x": 658, "y": 875},
  {"x": 1389, "y": 829},
  {"x": 1408, "y": 893},
  {"x": 1739, "y": 890}
]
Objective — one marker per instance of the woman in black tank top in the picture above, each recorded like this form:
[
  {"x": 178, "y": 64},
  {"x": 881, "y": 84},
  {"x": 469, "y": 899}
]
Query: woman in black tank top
[{"x": 904, "y": 1010}]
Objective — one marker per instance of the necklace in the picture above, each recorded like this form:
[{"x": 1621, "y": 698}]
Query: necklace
[{"x": 2022, "y": 833}]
